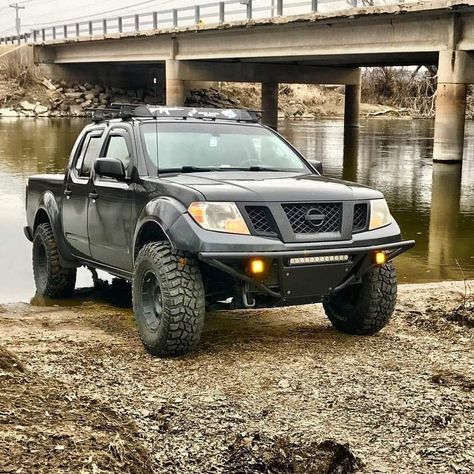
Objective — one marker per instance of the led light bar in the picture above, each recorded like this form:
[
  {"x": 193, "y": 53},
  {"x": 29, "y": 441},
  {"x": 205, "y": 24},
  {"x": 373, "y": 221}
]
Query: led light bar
[{"x": 319, "y": 259}]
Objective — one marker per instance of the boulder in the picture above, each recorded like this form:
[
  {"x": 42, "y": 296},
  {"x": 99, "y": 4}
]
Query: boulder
[
  {"x": 41, "y": 109},
  {"x": 86, "y": 104},
  {"x": 27, "y": 113},
  {"x": 8, "y": 113},
  {"x": 49, "y": 85},
  {"x": 74, "y": 95},
  {"x": 28, "y": 106},
  {"x": 76, "y": 110}
]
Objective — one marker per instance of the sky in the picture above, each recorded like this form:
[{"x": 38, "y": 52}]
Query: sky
[{"x": 39, "y": 13}]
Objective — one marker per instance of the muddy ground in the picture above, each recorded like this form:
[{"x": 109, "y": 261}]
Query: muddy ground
[{"x": 268, "y": 391}]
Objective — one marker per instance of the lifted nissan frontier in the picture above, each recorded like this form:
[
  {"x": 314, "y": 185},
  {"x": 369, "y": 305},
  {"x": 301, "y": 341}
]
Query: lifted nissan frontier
[{"x": 204, "y": 209}]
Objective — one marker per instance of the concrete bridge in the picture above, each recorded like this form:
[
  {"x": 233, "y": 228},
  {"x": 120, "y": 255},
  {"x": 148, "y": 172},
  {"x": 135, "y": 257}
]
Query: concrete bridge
[{"x": 312, "y": 48}]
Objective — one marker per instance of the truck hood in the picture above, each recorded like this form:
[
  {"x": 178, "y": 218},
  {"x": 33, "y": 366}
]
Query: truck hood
[{"x": 264, "y": 186}]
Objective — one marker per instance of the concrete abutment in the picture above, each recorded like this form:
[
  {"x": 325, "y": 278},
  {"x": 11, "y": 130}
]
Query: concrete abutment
[
  {"x": 352, "y": 106},
  {"x": 455, "y": 71},
  {"x": 175, "y": 85},
  {"x": 270, "y": 104}
]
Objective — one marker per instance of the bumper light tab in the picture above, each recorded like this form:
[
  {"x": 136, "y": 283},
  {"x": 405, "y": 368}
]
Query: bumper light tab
[{"x": 319, "y": 259}]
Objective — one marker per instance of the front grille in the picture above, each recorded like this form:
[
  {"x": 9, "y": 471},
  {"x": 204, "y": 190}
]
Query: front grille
[
  {"x": 360, "y": 218},
  {"x": 297, "y": 215},
  {"x": 258, "y": 216}
]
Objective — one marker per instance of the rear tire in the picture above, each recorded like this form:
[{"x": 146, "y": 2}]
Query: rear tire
[
  {"x": 51, "y": 278},
  {"x": 365, "y": 308},
  {"x": 168, "y": 300}
]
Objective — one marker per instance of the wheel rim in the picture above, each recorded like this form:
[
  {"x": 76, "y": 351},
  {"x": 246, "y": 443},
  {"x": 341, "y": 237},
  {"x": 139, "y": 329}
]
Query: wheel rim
[{"x": 152, "y": 301}]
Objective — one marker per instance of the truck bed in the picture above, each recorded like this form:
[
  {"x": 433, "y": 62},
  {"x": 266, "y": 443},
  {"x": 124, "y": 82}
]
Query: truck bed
[{"x": 38, "y": 185}]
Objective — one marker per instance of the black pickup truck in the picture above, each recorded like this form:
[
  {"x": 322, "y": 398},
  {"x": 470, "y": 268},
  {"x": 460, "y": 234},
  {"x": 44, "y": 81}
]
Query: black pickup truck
[{"x": 207, "y": 208}]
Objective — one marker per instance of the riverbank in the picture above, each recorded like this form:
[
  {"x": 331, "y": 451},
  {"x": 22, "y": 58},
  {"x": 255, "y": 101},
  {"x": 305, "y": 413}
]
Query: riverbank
[
  {"x": 269, "y": 390},
  {"x": 43, "y": 97}
]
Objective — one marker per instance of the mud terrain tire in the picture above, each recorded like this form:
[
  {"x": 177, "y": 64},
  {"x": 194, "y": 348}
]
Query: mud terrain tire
[
  {"x": 168, "y": 300},
  {"x": 51, "y": 279},
  {"x": 365, "y": 308}
]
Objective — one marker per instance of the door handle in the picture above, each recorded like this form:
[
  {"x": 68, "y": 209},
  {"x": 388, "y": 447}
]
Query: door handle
[
  {"x": 67, "y": 192},
  {"x": 93, "y": 195}
]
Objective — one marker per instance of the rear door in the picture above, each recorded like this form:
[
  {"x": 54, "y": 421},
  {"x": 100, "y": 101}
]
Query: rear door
[
  {"x": 110, "y": 204},
  {"x": 76, "y": 192}
]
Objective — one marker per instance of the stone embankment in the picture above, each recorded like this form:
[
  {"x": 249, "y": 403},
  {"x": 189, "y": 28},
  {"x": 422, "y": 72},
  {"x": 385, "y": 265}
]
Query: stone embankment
[
  {"x": 48, "y": 98},
  {"x": 62, "y": 99}
]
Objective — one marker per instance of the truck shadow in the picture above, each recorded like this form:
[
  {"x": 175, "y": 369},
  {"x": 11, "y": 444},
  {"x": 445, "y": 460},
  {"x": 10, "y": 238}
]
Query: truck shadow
[
  {"x": 266, "y": 328},
  {"x": 116, "y": 293},
  {"x": 272, "y": 329}
]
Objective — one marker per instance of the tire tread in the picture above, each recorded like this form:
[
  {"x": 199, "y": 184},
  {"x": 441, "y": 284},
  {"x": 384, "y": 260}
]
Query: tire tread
[
  {"x": 182, "y": 319},
  {"x": 378, "y": 295},
  {"x": 60, "y": 281}
]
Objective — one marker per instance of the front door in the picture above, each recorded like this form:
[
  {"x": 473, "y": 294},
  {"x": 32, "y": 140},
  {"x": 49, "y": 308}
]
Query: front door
[
  {"x": 76, "y": 193},
  {"x": 110, "y": 205}
]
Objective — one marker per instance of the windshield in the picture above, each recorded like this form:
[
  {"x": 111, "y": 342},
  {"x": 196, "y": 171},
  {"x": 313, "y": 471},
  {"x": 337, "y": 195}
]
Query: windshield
[{"x": 192, "y": 147}]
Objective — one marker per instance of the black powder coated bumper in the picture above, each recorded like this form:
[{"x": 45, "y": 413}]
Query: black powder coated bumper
[{"x": 307, "y": 283}]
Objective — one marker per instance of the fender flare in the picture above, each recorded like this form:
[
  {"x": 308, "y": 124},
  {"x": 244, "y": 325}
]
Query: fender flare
[
  {"x": 47, "y": 203},
  {"x": 162, "y": 211}
]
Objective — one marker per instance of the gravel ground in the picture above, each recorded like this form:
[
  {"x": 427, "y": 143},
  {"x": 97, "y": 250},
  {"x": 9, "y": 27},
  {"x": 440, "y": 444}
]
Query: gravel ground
[{"x": 268, "y": 391}]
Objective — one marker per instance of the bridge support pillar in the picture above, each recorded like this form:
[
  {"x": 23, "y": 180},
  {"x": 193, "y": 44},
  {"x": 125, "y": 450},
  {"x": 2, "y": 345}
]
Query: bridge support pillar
[
  {"x": 175, "y": 87},
  {"x": 352, "y": 106},
  {"x": 453, "y": 69},
  {"x": 270, "y": 104}
]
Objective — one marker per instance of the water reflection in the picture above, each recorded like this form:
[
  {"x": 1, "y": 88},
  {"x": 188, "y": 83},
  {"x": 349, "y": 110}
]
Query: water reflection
[
  {"x": 395, "y": 156},
  {"x": 26, "y": 147},
  {"x": 445, "y": 202},
  {"x": 391, "y": 155}
]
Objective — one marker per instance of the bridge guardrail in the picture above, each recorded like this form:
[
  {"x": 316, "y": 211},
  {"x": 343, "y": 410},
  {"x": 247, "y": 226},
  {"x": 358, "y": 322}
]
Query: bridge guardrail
[{"x": 194, "y": 16}]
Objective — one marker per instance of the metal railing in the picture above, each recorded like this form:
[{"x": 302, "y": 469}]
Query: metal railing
[{"x": 208, "y": 14}]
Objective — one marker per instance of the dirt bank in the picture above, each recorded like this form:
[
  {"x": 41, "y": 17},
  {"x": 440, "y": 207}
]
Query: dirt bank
[
  {"x": 294, "y": 100},
  {"x": 268, "y": 391},
  {"x": 43, "y": 97}
]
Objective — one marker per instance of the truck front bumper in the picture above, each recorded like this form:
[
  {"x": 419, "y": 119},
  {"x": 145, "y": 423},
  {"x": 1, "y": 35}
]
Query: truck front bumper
[{"x": 302, "y": 276}]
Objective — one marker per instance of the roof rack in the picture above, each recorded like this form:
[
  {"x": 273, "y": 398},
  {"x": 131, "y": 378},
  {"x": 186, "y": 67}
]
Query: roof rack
[{"x": 129, "y": 111}]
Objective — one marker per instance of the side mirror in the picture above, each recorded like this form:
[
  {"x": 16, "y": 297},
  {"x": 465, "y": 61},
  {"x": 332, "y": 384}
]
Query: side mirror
[
  {"x": 317, "y": 165},
  {"x": 110, "y": 167}
]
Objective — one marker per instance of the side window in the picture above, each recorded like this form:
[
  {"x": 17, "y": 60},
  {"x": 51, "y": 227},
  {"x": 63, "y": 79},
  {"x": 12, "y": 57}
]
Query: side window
[
  {"x": 89, "y": 153},
  {"x": 117, "y": 148}
]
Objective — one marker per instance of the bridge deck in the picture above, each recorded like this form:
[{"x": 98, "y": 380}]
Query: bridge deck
[{"x": 389, "y": 35}]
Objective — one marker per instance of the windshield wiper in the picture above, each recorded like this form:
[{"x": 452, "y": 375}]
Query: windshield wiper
[
  {"x": 197, "y": 169},
  {"x": 250, "y": 168},
  {"x": 187, "y": 169},
  {"x": 264, "y": 168}
]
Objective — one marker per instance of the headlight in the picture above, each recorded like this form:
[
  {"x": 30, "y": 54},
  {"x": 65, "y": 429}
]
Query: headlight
[
  {"x": 219, "y": 216},
  {"x": 379, "y": 214}
]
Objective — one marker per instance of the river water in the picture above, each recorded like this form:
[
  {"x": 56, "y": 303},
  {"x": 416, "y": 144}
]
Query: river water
[{"x": 434, "y": 204}]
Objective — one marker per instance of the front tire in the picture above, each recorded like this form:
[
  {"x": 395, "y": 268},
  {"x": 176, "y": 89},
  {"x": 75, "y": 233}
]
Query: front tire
[
  {"x": 51, "y": 278},
  {"x": 168, "y": 300},
  {"x": 365, "y": 308}
]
